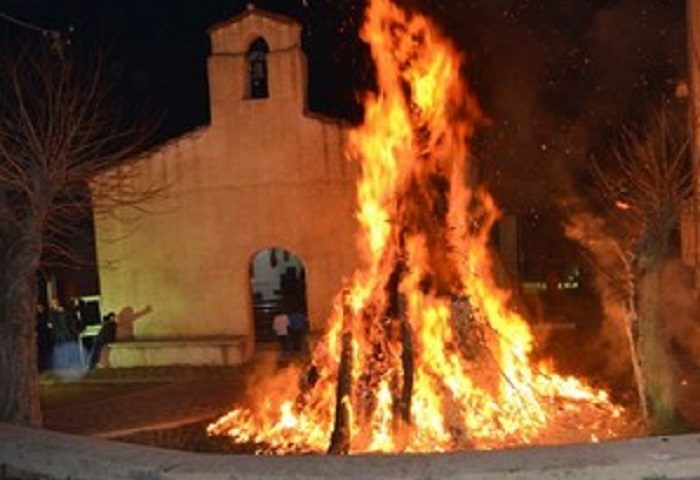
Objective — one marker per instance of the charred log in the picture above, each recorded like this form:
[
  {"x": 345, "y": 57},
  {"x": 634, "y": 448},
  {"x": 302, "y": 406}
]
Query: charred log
[
  {"x": 396, "y": 310},
  {"x": 407, "y": 366},
  {"x": 340, "y": 438}
]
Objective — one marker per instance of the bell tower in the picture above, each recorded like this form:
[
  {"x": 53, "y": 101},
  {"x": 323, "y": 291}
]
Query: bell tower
[{"x": 256, "y": 59}]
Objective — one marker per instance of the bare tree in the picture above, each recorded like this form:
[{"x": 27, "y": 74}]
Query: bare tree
[
  {"x": 60, "y": 126},
  {"x": 644, "y": 184}
]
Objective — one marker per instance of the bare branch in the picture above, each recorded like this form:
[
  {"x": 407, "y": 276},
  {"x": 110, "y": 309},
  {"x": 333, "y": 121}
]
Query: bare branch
[
  {"x": 647, "y": 181},
  {"x": 61, "y": 128}
]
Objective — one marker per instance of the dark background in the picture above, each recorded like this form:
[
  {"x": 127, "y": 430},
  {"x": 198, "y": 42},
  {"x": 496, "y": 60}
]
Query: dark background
[
  {"x": 543, "y": 70},
  {"x": 556, "y": 79}
]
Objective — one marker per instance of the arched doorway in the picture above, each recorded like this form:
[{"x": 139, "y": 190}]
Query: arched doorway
[{"x": 277, "y": 284}]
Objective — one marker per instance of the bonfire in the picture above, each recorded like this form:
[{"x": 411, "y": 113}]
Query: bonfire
[{"x": 423, "y": 350}]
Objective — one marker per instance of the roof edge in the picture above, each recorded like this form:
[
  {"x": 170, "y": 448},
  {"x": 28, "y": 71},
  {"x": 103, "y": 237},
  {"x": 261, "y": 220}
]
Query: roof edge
[{"x": 278, "y": 17}]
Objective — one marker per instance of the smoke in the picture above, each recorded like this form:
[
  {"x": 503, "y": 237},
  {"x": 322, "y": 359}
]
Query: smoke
[
  {"x": 270, "y": 378},
  {"x": 556, "y": 80},
  {"x": 613, "y": 282}
]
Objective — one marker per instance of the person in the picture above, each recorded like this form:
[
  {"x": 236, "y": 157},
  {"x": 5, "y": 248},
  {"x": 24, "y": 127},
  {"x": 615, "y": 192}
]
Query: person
[
  {"x": 297, "y": 329},
  {"x": 78, "y": 314},
  {"x": 64, "y": 328},
  {"x": 66, "y": 350},
  {"x": 43, "y": 337},
  {"x": 280, "y": 325},
  {"x": 107, "y": 334}
]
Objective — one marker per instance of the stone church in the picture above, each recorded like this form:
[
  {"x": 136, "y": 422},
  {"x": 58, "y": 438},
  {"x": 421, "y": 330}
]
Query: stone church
[{"x": 264, "y": 186}]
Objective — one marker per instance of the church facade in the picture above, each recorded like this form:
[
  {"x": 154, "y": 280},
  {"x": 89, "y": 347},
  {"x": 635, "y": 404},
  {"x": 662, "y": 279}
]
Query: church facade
[{"x": 264, "y": 174}]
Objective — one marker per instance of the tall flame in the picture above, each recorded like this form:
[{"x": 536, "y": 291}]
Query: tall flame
[{"x": 422, "y": 351}]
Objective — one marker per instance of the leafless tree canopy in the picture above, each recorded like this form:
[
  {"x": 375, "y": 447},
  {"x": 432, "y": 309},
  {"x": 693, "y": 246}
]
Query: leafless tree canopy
[
  {"x": 61, "y": 125},
  {"x": 60, "y": 128},
  {"x": 646, "y": 180}
]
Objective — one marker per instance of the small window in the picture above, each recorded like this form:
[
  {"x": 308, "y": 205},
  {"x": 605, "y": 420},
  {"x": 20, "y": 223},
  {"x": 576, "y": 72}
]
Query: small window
[{"x": 257, "y": 69}]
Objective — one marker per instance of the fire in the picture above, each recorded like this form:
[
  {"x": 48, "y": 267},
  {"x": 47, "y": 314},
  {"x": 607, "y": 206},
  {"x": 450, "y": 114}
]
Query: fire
[{"x": 423, "y": 351}]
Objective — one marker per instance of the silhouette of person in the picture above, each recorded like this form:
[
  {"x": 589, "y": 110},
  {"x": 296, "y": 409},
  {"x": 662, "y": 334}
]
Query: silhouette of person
[
  {"x": 280, "y": 325},
  {"x": 77, "y": 314},
  {"x": 297, "y": 329},
  {"x": 126, "y": 319},
  {"x": 66, "y": 351},
  {"x": 43, "y": 337},
  {"x": 64, "y": 326},
  {"x": 107, "y": 334}
]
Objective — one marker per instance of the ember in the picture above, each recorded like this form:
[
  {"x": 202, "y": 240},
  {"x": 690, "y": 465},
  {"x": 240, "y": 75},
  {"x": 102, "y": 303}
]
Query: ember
[{"x": 423, "y": 352}]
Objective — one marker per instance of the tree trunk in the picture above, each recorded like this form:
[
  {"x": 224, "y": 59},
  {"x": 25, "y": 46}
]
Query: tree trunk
[
  {"x": 631, "y": 326},
  {"x": 652, "y": 346},
  {"x": 19, "y": 375}
]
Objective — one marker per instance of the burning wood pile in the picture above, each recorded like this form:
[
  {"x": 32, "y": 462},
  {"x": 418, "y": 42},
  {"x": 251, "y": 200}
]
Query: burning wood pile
[{"x": 423, "y": 351}]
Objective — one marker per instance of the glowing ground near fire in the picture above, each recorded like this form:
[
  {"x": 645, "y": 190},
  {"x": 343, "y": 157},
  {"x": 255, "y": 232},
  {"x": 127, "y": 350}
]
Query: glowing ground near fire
[{"x": 423, "y": 351}]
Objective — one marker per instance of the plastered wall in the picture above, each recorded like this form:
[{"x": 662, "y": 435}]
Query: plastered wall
[{"x": 263, "y": 174}]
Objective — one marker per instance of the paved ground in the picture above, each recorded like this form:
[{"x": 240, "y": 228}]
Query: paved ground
[
  {"x": 150, "y": 405},
  {"x": 119, "y": 402}
]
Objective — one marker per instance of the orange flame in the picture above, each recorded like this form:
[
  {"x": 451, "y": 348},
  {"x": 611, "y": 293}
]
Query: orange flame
[{"x": 438, "y": 360}]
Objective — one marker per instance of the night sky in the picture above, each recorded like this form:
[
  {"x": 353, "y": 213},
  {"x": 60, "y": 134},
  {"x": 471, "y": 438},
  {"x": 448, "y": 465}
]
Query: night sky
[
  {"x": 546, "y": 72},
  {"x": 555, "y": 78}
]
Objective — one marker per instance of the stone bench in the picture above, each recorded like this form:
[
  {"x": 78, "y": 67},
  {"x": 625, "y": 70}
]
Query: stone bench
[{"x": 210, "y": 352}]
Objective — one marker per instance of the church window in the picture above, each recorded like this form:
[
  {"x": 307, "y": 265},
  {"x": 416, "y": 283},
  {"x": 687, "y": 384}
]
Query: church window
[{"x": 257, "y": 69}]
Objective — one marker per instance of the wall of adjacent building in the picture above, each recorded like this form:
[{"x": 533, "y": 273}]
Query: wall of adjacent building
[{"x": 690, "y": 226}]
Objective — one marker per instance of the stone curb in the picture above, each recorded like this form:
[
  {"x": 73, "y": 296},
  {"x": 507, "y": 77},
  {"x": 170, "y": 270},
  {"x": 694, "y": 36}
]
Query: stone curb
[{"x": 54, "y": 455}]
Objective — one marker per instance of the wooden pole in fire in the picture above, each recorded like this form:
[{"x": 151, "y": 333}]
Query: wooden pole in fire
[
  {"x": 396, "y": 310},
  {"x": 407, "y": 364},
  {"x": 340, "y": 438}
]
